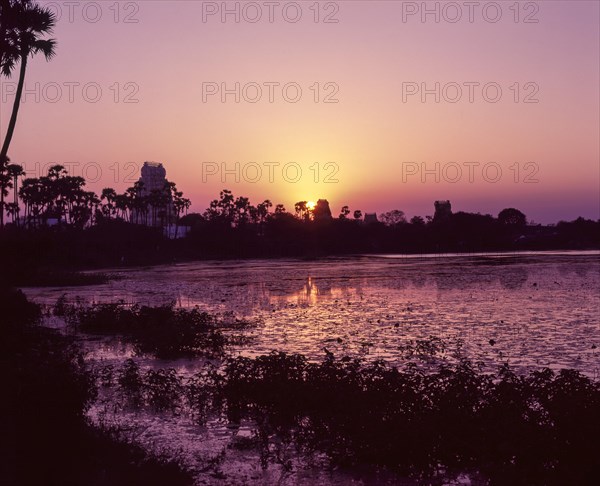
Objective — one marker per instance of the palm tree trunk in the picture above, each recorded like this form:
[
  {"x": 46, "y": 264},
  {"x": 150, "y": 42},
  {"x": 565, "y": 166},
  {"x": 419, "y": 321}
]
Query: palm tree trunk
[
  {"x": 1, "y": 204},
  {"x": 16, "y": 199},
  {"x": 11, "y": 125},
  {"x": 15, "y": 111}
]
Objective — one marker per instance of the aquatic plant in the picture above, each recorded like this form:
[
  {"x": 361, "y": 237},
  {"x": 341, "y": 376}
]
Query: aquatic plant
[
  {"x": 46, "y": 390},
  {"x": 164, "y": 331},
  {"x": 541, "y": 428},
  {"x": 538, "y": 428}
]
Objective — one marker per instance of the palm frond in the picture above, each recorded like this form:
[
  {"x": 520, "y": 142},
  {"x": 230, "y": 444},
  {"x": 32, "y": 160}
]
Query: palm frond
[
  {"x": 7, "y": 67},
  {"x": 39, "y": 19},
  {"x": 46, "y": 46}
]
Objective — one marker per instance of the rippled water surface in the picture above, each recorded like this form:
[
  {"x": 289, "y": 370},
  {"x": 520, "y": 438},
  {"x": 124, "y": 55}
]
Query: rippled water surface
[
  {"x": 536, "y": 309},
  {"x": 531, "y": 310}
]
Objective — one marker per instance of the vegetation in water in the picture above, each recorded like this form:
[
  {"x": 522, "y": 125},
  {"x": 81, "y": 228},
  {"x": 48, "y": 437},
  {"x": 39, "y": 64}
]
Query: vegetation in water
[
  {"x": 539, "y": 428},
  {"x": 47, "y": 390},
  {"x": 164, "y": 331}
]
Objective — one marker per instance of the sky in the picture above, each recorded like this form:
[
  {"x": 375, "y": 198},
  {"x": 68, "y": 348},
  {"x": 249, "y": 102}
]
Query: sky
[{"x": 377, "y": 105}]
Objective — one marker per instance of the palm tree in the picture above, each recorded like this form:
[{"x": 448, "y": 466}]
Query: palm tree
[
  {"x": 15, "y": 171},
  {"x": 263, "y": 210},
  {"x": 344, "y": 212},
  {"x": 301, "y": 208},
  {"x": 108, "y": 209},
  {"x": 22, "y": 35},
  {"x": 9, "y": 174},
  {"x": 32, "y": 194},
  {"x": 5, "y": 185},
  {"x": 9, "y": 54},
  {"x": 155, "y": 202},
  {"x": 138, "y": 203},
  {"x": 242, "y": 210},
  {"x": 123, "y": 203},
  {"x": 12, "y": 209},
  {"x": 180, "y": 204}
]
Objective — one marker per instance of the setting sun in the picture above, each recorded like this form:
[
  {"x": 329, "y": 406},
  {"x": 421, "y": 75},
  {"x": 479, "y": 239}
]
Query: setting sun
[{"x": 330, "y": 241}]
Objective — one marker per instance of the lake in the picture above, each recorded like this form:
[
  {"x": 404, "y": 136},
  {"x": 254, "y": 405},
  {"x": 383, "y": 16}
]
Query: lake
[
  {"x": 532, "y": 310},
  {"x": 538, "y": 309}
]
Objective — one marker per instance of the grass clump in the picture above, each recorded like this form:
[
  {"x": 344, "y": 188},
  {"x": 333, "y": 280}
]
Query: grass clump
[
  {"x": 163, "y": 332},
  {"x": 47, "y": 390},
  {"x": 162, "y": 389},
  {"x": 540, "y": 428}
]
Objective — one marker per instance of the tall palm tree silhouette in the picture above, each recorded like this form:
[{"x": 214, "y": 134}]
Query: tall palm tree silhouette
[
  {"x": 15, "y": 171},
  {"x": 23, "y": 24},
  {"x": 9, "y": 55},
  {"x": 5, "y": 183}
]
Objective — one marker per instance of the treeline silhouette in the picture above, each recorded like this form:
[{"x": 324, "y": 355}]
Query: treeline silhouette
[
  {"x": 66, "y": 227},
  {"x": 229, "y": 229},
  {"x": 62, "y": 199},
  {"x": 55, "y": 222}
]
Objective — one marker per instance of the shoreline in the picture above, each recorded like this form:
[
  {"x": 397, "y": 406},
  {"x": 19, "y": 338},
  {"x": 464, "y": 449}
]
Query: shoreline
[{"x": 105, "y": 272}]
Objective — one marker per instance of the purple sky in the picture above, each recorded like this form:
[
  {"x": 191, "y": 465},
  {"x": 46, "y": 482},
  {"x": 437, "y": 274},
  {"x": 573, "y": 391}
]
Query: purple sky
[{"x": 370, "y": 148}]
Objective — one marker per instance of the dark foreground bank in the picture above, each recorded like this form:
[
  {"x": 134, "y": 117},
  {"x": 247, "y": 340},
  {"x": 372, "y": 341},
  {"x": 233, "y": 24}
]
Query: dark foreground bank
[
  {"x": 428, "y": 421},
  {"x": 47, "y": 389}
]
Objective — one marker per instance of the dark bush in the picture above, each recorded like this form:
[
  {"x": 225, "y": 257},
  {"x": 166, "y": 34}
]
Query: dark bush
[
  {"x": 164, "y": 332},
  {"x": 542, "y": 428},
  {"x": 46, "y": 391}
]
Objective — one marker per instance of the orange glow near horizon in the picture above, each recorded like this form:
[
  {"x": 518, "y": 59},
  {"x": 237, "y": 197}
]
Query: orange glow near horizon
[{"x": 375, "y": 149}]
